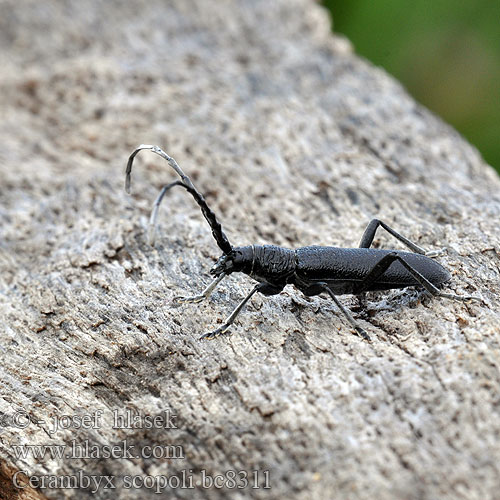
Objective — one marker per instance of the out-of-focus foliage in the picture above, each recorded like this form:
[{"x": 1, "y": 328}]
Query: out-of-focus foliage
[{"x": 446, "y": 53}]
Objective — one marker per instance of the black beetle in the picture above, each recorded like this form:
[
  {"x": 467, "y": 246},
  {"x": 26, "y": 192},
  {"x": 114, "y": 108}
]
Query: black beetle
[{"x": 314, "y": 269}]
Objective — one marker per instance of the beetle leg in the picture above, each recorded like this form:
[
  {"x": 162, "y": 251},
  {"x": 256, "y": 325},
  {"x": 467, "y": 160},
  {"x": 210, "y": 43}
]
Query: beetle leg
[
  {"x": 369, "y": 234},
  {"x": 203, "y": 295},
  {"x": 345, "y": 311},
  {"x": 229, "y": 321},
  {"x": 383, "y": 264}
]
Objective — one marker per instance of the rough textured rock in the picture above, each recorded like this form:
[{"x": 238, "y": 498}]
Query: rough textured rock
[{"x": 295, "y": 141}]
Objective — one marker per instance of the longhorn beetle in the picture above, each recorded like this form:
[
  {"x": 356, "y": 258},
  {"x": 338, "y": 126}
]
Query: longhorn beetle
[{"x": 314, "y": 269}]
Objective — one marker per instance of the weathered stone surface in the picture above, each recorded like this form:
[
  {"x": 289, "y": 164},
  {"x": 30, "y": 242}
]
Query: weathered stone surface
[{"x": 295, "y": 141}]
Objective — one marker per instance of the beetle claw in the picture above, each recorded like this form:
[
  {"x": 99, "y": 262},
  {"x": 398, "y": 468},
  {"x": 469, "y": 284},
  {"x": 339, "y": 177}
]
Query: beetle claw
[
  {"x": 215, "y": 333},
  {"x": 362, "y": 333},
  {"x": 436, "y": 253},
  {"x": 188, "y": 300},
  {"x": 461, "y": 298}
]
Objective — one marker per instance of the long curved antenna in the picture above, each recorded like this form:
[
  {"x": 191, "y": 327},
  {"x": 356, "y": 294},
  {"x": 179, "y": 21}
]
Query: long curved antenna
[
  {"x": 186, "y": 183},
  {"x": 154, "y": 212}
]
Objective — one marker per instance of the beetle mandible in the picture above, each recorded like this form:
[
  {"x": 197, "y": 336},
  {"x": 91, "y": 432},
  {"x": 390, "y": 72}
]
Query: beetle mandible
[{"x": 313, "y": 269}]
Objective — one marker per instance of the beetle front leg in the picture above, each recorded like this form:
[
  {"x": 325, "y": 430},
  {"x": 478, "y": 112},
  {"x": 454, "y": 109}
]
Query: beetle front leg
[
  {"x": 347, "y": 314},
  {"x": 369, "y": 234},
  {"x": 230, "y": 320},
  {"x": 203, "y": 295}
]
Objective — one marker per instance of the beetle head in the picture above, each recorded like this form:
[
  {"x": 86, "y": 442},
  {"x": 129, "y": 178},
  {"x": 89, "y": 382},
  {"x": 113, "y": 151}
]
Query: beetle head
[{"x": 237, "y": 260}]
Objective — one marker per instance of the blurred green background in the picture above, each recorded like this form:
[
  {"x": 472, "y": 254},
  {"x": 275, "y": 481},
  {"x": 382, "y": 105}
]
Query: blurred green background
[{"x": 445, "y": 52}]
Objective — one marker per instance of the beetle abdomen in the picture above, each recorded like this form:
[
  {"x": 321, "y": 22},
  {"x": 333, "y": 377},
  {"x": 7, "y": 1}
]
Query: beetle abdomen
[{"x": 331, "y": 264}]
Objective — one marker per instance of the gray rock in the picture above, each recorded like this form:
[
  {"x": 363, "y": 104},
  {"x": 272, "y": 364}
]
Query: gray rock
[{"x": 294, "y": 141}]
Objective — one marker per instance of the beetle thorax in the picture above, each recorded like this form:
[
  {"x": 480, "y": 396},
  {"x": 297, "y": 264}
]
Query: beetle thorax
[
  {"x": 265, "y": 263},
  {"x": 271, "y": 263}
]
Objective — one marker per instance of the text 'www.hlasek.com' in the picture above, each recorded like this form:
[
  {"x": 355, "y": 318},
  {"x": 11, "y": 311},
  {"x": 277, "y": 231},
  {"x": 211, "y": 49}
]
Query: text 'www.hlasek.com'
[{"x": 173, "y": 470}]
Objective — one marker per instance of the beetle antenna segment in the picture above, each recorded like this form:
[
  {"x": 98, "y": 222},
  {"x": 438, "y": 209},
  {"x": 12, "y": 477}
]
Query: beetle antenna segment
[
  {"x": 154, "y": 213},
  {"x": 186, "y": 183}
]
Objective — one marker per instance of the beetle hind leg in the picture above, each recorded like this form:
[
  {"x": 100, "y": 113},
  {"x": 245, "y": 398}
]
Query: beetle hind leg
[
  {"x": 371, "y": 229},
  {"x": 383, "y": 264}
]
